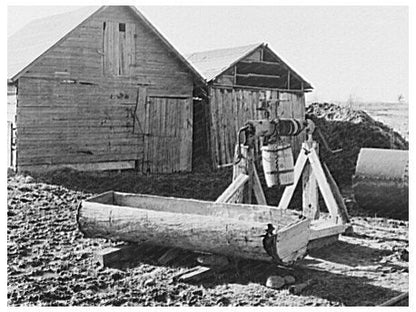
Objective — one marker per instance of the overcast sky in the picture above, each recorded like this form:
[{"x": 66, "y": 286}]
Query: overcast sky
[{"x": 342, "y": 51}]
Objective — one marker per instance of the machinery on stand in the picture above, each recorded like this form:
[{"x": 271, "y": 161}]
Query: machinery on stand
[
  {"x": 232, "y": 225},
  {"x": 279, "y": 169}
]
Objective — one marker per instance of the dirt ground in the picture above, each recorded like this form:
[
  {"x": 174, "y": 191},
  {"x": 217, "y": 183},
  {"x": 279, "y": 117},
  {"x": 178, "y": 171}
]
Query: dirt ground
[{"x": 51, "y": 264}]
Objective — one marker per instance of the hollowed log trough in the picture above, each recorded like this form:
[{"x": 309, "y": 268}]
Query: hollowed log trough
[{"x": 238, "y": 230}]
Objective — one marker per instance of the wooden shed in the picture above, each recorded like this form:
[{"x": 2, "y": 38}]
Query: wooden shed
[
  {"x": 100, "y": 88},
  {"x": 239, "y": 81}
]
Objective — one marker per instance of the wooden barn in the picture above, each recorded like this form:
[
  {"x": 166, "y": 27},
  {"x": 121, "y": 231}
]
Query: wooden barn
[
  {"x": 239, "y": 81},
  {"x": 100, "y": 88}
]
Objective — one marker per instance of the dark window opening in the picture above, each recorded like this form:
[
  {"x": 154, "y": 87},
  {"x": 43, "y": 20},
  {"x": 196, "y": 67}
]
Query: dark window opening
[
  {"x": 104, "y": 26},
  {"x": 122, "y": 27}
]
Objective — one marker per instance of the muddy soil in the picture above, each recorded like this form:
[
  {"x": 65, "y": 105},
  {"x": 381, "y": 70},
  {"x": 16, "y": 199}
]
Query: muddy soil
[{"x": 51, "y": 264}]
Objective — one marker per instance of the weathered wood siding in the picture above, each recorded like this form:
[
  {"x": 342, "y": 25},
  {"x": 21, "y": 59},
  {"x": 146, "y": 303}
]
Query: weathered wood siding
[
  {"x": 231, "y": 108},
  {"x": 11, "y": 123},
  {"x": 168, "y": 139},
  {"x": 76, "y": 106}
]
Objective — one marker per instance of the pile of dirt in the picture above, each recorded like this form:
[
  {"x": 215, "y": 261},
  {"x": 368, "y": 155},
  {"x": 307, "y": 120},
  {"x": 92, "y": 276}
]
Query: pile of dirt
[{"x": 349, "y": 130}]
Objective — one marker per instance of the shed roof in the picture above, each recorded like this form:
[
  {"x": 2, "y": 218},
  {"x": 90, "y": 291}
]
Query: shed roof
[
  {"x": 36, "y": 38},
  {"x": 213, "y": 63}
]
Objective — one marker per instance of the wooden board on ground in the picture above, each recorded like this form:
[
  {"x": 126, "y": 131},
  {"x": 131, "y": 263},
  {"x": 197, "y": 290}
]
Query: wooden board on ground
[
  {"x": 114, "y": 256},
  {"x": 195, "y": 274}
]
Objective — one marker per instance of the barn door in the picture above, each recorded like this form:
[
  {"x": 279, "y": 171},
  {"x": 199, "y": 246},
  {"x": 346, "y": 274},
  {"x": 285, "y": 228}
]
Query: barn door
[{"x": 168, "y": 139}]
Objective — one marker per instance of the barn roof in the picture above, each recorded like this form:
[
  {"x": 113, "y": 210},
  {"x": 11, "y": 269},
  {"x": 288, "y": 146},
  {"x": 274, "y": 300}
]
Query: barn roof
[
  {"x": 213, "y": 63},
  {"x": 36, "y": 38}
]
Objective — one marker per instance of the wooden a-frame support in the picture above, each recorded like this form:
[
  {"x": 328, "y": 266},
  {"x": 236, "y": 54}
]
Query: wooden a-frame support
[
  {"x": 313, "y": 232},
  {"x": 315, "y": 176},
  {"x": 324, "y": 181}
]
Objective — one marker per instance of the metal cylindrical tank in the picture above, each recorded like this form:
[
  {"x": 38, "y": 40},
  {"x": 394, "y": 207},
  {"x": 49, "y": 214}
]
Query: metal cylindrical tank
[{"x": 381, "y": 182}]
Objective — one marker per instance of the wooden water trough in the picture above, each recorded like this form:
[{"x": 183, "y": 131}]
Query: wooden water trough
[
  {"x": 226, "y": 226},
  {"x": 237, "y": 230}
]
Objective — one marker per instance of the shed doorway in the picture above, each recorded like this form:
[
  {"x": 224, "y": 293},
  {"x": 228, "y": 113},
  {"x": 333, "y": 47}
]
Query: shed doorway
[{"x": 168, "y": 135}]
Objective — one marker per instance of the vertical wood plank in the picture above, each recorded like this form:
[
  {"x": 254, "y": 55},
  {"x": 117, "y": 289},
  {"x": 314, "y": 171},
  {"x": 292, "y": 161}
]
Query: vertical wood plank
[
  {"x": 233, "y": 123},
  {"x": 239, "y": 123},
  {"x": 227, "y": 125},
  {"x": 213, "y": 126},
  {"x": 116, "y": 50},
  {"x": 156, "y": 133},
  {"x": 166, "y": 139},
  {"x": 130, "y": 47},
  {"x": 140, "y": 121},
  {"x": 189, "y": 131},
  {"x": 162, "y": 137},
  {"x": 105, "y": 47},
  {"x": 152, "y": 103},
  {"x": 146, "y": 151},
  {"x": 220, "y": 121},
  {"x": 158, "y": 136},
  {"x": 183, "y": 129},
  {"x": 171, "y": 134},
  {"x": 310, "y": 193},
  {"x": 274, "y": 97},
  {"x": 122, "y": 52},
  {"x": 178, "y": 133},
  {"x": 223, "y": 127},
  {"x": 111, "y": 52}
]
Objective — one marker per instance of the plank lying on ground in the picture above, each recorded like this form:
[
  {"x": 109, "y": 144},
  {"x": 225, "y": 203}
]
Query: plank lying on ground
[
  {"x": 113, "y": 256},
  {"x": 195, "y": 275},
  {"x": 395, "y": 300}
]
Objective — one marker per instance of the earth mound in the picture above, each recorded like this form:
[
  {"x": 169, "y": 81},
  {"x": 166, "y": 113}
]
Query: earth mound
[{"x": 349, "y": 130}]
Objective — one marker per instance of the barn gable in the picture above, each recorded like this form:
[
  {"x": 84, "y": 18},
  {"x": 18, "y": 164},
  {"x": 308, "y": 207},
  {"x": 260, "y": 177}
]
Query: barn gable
[
  {"x": 112, "y": 93},
  {"x": 27, "y": 46},
  {"x": 251, "y": 65}
]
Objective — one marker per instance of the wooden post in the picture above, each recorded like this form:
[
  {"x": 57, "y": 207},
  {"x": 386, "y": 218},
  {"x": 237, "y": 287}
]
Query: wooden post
[
  {"x": 238, "y": 169},
  {"x": 324, "y": 186},
  {"x": 245, "y": 166},
  {"x": 342, "y": 208},
  {"x": 258, "y": 190},
  {"x": 249, "y": 187},
  {"x": 310, "y": 194},
  {"x": 289, "y": 190}
]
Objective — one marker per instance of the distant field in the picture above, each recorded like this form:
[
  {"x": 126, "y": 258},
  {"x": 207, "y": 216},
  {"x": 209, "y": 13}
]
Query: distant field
[{"x": 395, "y": 115}]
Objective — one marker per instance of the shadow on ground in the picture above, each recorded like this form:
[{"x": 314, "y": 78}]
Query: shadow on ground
[{"x": 347, "y": 290}]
